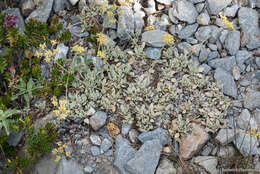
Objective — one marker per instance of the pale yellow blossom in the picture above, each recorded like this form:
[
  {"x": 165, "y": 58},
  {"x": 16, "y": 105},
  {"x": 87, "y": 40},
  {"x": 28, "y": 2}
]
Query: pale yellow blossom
[
  {"x": 54, "y": 101},
  {"x": 54, "y": 42},
  {"x": 226, "y": 22},
  {"x": 55, "y": 51},
  {"x": 112, "y": 21},
  {"x": 54, "y": 151},
  {"x": 168, "y": 38},
  {"x": 58, "y": 158},
  {"x": 78, "y": 48},
  {"x": 101, "y": 54},
  {"x": 48, "y": 53},
  {"x": 63, "y": 116},
  {"x": 42, "y": 46},
  {"x": 47, "y": 59},
  {"x": 101, "y": 38},
  {"x": 114, "y": 7},
  {"x": 63, "y": 102},
  {"x": 68, "y": 154},
  {"x": 151, "y": 27},
  {"x": 59, "y": 143},
  {"x": 109, "y": 13},
  {"x": 38, "y": 54}
]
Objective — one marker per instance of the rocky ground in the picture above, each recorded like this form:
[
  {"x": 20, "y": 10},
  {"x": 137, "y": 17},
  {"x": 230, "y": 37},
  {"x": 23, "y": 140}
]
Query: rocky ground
[{"x": 230, "y": 55}]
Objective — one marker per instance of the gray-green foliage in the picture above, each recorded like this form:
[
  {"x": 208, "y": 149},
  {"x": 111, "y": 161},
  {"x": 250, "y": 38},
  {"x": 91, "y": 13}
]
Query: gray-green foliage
[
  {"x": 144, "y": 91},
  {"x": 4, "y": 118}
]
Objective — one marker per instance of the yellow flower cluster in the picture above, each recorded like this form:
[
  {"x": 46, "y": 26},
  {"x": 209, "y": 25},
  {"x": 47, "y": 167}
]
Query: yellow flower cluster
[
  {"x": 101, "y": 54},
  {"x": 101, "y": 38},
  {"x": 168, "y": 38},
  {"x": 47, "y": 53},
  {"x": 78, "y": 49},
  {"x": 253, "y": 132},
  {"x": 62, "y": 111},
  {"x": 59, "y": 151},
  {"x": 151, "y": 27},
  {"x": 227, "y": 22}
]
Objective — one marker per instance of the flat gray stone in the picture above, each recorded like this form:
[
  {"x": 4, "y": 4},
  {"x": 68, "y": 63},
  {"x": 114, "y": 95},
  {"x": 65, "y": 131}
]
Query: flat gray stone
[
  {"x": 245, "y": 121},
  {"x": 184, "y": 47},
  {"x": 153, "y": 53},
  {"x": 62, "y": 51},
  {"x": 154, "y": 38},
  {"x": 124, "y": 152},
  {"x": 108, "y": 169},
  {"x": 248, "y": 21},
  {"x": 252, "y": 100},
  {"x": 166, "y": 167},
  {"x": 166, "y": 2},
  {"x": 159, "y": 133},
  {"x": 95, "y": 150},
  {"x": 95, "y": 139},
  {"x": 225, "y": 136},
  {"x": 216, "y": 6},
  {"x": 226, "y": 63},
  {"x": 246, "y": 144},
  {"x": 98, "y": 120},
  {"x": 68, "y": 167},
  {"x": 59, "y": 5},
  {"x": 188, "y": 31},
  {"x": 42, "y": 13},
  {"x": 27, "y": 7},
  {"x": 139, "y": 21},
  {"x": 203, "y": 19},
  {"x": 146, "y": 158},
  {"x": 203, "y": 33},
  {"x": 231, "y": 11},
  {"x": 106, "y": 145},
  {"x": 45, "y": 165},
  {"x": 184, "y": 11},
  {"x": 208, "y": 162},
  {"x": 73, "y": 2},
  {"x": 229, "y": 86},
  {"x": 14, "y": 138},
  {"x": 126, "y": 23},
  {"x": 241, "y": 57},
  {"x": 232, "y": 42}
]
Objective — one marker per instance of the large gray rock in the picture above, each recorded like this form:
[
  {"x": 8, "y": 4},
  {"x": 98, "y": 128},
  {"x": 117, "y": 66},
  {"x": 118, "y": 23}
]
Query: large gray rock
[
  {"x": 215, "y": 6},
  {"x": 98, "y": 120},
  {"x": 252, "y": 100},
  {"x": 166, "y": 167},
  {"x": 158, "y": 133},
  {"x": 203, "y": 33},
  {"x": 124, "y": 152},
  {"x": 184, "y": 11},
  {"x": 232, "y": 42},
  {"x": 19, "y": 21},
  {"x": 42, "y": 13},
  {"x": 59, "y": 5},
  {"x": 203, "y": 19},
  {"x": 226, "y": 79},
  {"x": 154, "y": 38},
  {"x": 226, "y": 63},
  {"x": 45, "y": 165},
  {"x": 126, "y": 23},
  {"x": 245, "y": 121},
  {"x": 241, "y": 57},
  {"x": 146, "y": 158},
  {"x": 231, "y": 11},
  {"x": 248, "y": 21},
  {"x": 68, "y": 167},
  {"x": 188, "y": 31},
  {"x": 246, "y": 144},
  {"x": 27, "y": 7},
  {"x": 208, "y": 162},
  {"x": 225, "y": 136}
]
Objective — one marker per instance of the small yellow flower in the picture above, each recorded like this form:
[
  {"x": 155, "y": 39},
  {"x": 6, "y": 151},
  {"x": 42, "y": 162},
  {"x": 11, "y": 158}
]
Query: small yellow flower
[
  {"x": 109, "y": 13},
  {"x": 67, "y": 111},
  {"x": 64, "y": 146},
  {"x": 112, "y": 21},
  {"x": 54, "y": 42},
  {"x": 78, "y": 48},
  {"x": 55, "y": 51},
  {"x": 38, "y": 54},
  {"x": 63, "y": 116},
  {"x": 43, "y": 132},
  {"x": 101, "y": 38},
  {"x": 104, "y": 8},
  {"x": 101, "y": 54},
  {"x": 42, "y": 46},
  {"x": 63, "y": 102},
  {"x": 54, "y": 101},
  {"x": 54, "y": 151},
  {"x": 57, "y": 112},
  {"x": 48, "y": 53},
  {"x": 60, "y": 149},
  {"x": 227, "y": 22},
  {"x": 151, "y": 27},
  {"x": 47, "y": 59},
  {"x": 9, "y": 161},
  {"x": 120, "y": 12},
  {"x": 58, "y": 158},
  {"x": 68, "y": 154},
  {"x": 114, "y": 7},
  {"x": 168, "y": 38},
  {"x": 62, "y": 108},
  {"x": 59, "y": 143}
]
